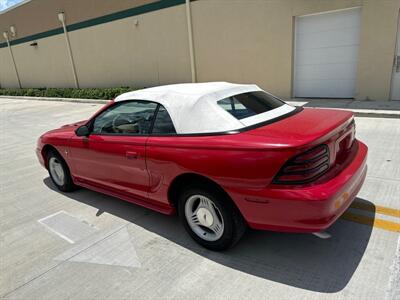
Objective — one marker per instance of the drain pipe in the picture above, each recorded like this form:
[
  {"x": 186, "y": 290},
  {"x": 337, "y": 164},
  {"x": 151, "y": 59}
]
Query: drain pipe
[
  {"x": 190, "y": 36},
  {"x": 61, "y": 18},
  {"x": 5, "y": 34}
]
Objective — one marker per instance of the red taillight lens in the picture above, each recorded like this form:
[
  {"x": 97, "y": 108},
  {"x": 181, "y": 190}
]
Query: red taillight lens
[{"x": 304, "y": 167}]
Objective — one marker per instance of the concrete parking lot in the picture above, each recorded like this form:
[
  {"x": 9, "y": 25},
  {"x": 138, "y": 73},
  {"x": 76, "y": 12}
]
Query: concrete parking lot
[{"x": 86, "y": 245}]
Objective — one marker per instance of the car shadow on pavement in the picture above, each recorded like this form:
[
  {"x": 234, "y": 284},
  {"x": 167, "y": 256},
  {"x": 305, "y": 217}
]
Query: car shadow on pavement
[{"x": 299, "y": 260}]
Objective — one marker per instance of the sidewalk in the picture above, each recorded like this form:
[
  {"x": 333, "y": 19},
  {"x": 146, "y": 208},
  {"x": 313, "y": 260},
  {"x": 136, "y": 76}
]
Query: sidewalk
[{"x": 361, "y": 108}]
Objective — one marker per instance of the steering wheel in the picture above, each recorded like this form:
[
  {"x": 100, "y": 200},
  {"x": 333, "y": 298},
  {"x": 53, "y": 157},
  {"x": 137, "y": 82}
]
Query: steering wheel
[{"x": 119, "y": 117}]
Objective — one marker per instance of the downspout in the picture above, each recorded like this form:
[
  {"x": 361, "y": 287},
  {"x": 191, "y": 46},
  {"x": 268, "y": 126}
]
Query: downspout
[
  {"x": 190, "y": 36},
  {"x": 61, "y": 18},
  {"x": 5, "y": 34}
]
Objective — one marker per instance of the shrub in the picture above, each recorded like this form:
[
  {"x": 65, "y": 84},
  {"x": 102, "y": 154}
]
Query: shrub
[{"x": 89, "y": 93}]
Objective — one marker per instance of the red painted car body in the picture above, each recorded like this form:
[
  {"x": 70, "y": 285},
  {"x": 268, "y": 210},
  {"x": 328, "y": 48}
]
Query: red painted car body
[{"x": 142, "y": 169}]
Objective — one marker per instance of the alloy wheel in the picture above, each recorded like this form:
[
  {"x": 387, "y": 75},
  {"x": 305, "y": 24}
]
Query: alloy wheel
[
  {"x": 56, "y": 171},
  {"x": 204, "y": 218}
]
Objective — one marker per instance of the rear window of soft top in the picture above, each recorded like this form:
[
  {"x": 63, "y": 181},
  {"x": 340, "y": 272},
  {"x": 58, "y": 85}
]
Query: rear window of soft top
[{"x": 246, "y": 105}]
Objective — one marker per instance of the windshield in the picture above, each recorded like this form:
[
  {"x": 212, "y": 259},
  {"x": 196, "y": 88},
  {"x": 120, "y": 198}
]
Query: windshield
[{"x": 246, "y": 105}]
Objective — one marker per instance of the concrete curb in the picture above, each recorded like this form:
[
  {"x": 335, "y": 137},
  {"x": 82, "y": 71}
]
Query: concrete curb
[
  {"x": 358, "y": 112},
  {"x": 75, "y": 100},
  {"x": 379, "y": 113}
]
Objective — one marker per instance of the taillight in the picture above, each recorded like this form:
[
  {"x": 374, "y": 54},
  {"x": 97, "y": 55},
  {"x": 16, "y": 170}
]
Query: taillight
[{"x": 304, "y": 167}]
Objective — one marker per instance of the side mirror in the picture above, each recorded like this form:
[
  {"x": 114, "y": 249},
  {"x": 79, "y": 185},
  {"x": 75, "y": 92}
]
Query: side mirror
[{"x": 82, "y": 131}]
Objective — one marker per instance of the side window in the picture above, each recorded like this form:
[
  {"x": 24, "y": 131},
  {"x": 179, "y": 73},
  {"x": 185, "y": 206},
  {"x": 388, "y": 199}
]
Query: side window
[
  {"x": 163, "y": 123},
  {"x": 131, "y": 117}
]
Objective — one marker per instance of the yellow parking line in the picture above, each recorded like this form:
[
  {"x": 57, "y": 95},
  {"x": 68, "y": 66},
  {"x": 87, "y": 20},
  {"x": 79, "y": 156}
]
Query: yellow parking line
[
  {"x": 386, "y": 225},
  {"x": 376, "y": 208}
]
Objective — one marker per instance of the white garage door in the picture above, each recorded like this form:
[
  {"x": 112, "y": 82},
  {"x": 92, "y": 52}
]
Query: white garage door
[{"x": 326, "y": 54}]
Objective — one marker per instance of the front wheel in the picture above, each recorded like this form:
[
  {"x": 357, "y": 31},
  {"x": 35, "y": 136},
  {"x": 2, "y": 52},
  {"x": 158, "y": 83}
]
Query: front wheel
[
  {"x": 59, "y": 172},
  {"x": 210, "y": 218}
]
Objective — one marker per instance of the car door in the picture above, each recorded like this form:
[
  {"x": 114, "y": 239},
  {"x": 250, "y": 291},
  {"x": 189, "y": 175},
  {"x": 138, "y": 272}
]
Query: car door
[
  {"x": 113, "y": 156},
  {"x": 161, "y": 152}
]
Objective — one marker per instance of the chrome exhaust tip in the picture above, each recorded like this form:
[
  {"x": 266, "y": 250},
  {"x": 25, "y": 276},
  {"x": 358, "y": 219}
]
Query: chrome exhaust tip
[{"x": 322, "y": 235}]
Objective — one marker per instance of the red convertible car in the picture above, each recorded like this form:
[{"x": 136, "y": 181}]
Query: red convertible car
[{"x": 224, "y": 156}]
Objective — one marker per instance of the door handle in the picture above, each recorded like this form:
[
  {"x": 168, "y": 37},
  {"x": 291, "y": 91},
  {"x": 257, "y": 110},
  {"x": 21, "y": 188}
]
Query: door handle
[{"x": 131, "y": 155}]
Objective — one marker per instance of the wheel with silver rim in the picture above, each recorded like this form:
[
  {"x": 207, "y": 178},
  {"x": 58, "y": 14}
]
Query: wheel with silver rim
[
  {"x": 210, "y": 217},
  {"x": 56, "y": 171},
  {"x": 59, "y": 172},
  {"x": 204, "y": 218}
]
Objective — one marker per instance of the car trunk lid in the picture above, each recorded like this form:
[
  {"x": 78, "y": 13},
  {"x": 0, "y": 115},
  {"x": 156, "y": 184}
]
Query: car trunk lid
[{"x": 309, "y": 127}]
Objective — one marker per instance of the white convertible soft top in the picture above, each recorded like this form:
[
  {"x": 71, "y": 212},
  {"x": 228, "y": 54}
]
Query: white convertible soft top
[{"x": 193, "y": 106}]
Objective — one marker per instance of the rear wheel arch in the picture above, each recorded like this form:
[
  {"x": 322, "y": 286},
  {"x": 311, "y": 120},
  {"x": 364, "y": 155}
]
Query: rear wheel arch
[
  {"x": 188, "y": 179},
  {"x": 188, "y": 186}
]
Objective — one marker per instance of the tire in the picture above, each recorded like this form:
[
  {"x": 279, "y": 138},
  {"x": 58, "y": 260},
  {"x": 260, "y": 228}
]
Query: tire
[
  {"x": 226, "y": 230},
  {"x": 59, "y": 172}
]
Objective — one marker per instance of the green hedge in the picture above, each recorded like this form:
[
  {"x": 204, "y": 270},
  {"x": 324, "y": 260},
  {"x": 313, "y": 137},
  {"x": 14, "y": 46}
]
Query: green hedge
[{"x": 106, "y": 93}]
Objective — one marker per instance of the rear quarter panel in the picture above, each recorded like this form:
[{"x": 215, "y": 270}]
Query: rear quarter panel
[{"x": 235, "y": 160}]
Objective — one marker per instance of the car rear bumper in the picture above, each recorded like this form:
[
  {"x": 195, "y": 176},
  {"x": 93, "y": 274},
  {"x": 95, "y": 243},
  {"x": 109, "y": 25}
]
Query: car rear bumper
[{"x": 304, "y": 209}]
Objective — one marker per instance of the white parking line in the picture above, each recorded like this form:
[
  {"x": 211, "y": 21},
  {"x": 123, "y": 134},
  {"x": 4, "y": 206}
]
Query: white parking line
[{"x": 67, "y": 227}]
